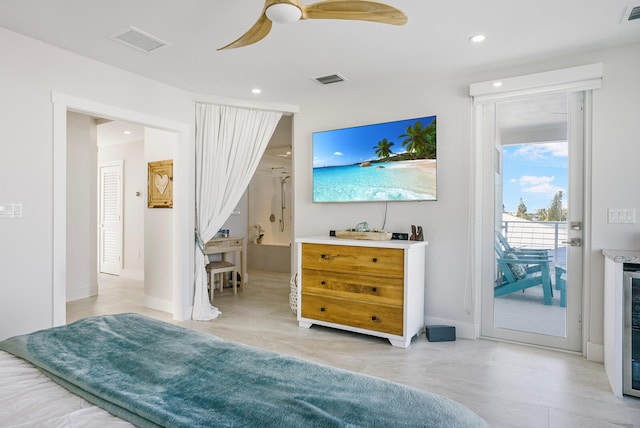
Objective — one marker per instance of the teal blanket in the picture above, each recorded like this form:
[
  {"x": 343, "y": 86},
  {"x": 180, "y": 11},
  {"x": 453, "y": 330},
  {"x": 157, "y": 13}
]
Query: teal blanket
[{"x": 153, "y": 373}]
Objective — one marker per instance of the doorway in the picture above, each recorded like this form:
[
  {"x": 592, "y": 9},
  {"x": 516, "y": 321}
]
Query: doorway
[
  {"x": 270, "y": 204},
  {"x": 121, "y": 198},
  {"x": 532, "y": 280},
  {"x": 178, "y": 297}
]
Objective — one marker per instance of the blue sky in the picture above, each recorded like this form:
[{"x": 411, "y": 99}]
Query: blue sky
[
  {"x": 535, "y": 173},
  {"x": 353, "y": 145}
]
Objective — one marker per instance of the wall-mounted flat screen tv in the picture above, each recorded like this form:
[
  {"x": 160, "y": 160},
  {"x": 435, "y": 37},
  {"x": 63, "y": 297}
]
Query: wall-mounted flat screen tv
[{"x": 383, "y": 162}]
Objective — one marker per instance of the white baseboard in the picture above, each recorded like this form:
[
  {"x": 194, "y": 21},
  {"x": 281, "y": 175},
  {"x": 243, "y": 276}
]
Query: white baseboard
[
  {"x": 82, "y": 293},
  {"x": 463, "y": 330},
  {"x": 595, "y": 352},
  {"x": 157, "y": 304}
]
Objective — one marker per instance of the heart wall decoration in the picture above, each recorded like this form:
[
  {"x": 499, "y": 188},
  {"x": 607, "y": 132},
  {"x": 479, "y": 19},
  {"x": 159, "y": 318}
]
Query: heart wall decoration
[{"x": 160, "y": 184}]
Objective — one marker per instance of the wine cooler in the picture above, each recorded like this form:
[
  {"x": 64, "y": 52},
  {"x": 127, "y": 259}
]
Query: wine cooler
[{"x": 631, "y": 339}]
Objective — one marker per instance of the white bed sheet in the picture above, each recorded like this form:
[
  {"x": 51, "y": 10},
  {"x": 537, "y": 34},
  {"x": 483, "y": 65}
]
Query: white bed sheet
[{"x": 28, "y": 398}]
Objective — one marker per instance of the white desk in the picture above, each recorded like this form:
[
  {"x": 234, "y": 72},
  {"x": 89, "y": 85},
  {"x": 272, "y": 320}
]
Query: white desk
[{"x": 229, "y": 245}]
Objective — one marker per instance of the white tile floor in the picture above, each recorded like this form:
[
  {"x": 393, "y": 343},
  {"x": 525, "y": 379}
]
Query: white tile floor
[{"x": 509, "y": 385}]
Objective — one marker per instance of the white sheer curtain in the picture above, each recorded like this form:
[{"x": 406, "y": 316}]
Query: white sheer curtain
[{"x": 229, "y": 144}]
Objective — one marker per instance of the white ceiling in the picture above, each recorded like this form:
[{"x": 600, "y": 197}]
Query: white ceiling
[
  {"x": 114, "y": 132},
  {"x": 434, "y": 44}
]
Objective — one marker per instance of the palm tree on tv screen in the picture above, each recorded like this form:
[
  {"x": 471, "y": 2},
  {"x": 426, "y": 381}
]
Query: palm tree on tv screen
[
  {"x": 383, "y": 149},
  {"x": 420, "y": 142}
]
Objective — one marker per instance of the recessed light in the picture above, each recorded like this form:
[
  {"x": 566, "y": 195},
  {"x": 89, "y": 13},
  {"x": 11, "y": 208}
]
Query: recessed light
[
  {"x": 256, "y": 91},
  {"x": 478, "y": 38},
  {"x": 497, "y": 84},
  {"x": 127, "y": 132}
]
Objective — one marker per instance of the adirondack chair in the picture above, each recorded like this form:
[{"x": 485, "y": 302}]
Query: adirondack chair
[
  {"x": 561, "y": 284},
  {"x": 509, "y": 249},
  {"x": 522, "y": 271}
]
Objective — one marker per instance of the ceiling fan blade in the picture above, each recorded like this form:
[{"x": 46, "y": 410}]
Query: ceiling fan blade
[
  {"x": 256, "y": 33},
  {"x": 358, "y": 10}
]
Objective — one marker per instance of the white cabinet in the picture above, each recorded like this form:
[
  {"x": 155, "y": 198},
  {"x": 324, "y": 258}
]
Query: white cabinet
[{"x": 369, "y": 287}]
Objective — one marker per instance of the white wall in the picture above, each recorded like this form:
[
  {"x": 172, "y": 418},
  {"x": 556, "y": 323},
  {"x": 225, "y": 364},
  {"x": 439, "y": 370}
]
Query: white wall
[
  {"x": 446, "y": 222},
  {"x": 31, "y": 71},
  {"x": 134, "y": 205},
  {"x": 81, "y": 206},
  {"x": 158, "y": 229},
  {"x": 616, "y": 172}
]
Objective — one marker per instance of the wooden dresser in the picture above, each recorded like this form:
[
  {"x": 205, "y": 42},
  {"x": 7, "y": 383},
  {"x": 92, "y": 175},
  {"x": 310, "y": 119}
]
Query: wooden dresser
[{"x": 369, "y": 287}]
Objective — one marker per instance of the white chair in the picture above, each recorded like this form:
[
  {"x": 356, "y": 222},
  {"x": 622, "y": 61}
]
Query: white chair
[{"x": 219, "y": 268}]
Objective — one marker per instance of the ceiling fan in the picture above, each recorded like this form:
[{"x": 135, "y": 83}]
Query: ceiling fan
[{"x": 289, "y": 11}]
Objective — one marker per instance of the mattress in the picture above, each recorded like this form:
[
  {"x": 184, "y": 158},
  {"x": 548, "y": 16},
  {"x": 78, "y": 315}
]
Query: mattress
[{"x": 28, "y": 398}]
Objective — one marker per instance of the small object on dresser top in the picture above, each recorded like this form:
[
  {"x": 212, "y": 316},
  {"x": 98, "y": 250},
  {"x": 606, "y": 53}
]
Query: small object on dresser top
[
  {"x": 416, "y": 233},
  {"x": 371, "y": 236}
]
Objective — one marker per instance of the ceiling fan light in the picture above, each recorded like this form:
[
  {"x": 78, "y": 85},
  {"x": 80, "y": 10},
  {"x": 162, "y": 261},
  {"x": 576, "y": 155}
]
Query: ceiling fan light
[{"x": 283, "y": 13}]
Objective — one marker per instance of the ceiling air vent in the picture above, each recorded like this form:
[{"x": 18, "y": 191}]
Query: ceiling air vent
[
  {"x": 331, "y": 78},
  {"x": 138, "y": 39},
  {"x": 632, "y": 13}
]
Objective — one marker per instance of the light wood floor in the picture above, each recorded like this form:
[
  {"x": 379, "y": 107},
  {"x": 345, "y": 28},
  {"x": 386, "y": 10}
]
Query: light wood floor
[{"x": 509, "y": 385}]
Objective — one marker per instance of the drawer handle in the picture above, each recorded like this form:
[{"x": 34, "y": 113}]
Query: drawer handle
[
  {"x": 374, "y": 289},
  {"x": 374, "y": 259},
  {"x": 321, "y": 309},
  {"x": 323, "y": 282},
  {"x": 375, "y": 318},
  {"x": 323, "y": 256}
]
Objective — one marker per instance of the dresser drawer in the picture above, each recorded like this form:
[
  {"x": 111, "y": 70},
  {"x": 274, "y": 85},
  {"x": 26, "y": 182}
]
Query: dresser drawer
[
  {"x": 370, "y": 260},
  {"x": 382, "y": 318},
  {"x": 373, "y": 289}
]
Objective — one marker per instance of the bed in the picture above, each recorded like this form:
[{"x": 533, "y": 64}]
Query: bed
[{"x": 141, "y": 371}]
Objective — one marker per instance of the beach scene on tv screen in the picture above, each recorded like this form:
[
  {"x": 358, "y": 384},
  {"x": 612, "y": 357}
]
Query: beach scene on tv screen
[{"x": 391, "y": 161}]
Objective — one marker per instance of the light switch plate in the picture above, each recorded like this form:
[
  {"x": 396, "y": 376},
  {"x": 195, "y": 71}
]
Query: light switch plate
[
  {"x": 10, "y": 210},
  {"x": 621, "y": 215}
]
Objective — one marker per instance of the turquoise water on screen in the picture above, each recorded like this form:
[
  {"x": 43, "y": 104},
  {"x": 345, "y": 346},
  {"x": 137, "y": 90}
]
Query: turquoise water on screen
[{"x": 392, "y": 182}]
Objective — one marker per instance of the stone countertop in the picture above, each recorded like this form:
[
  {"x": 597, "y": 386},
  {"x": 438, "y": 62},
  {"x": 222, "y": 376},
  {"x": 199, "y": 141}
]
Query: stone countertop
[{"x": 622, "y": 256}]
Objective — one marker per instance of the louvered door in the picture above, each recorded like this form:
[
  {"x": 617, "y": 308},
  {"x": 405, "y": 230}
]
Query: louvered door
[{"x": 110, "y": 217}]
